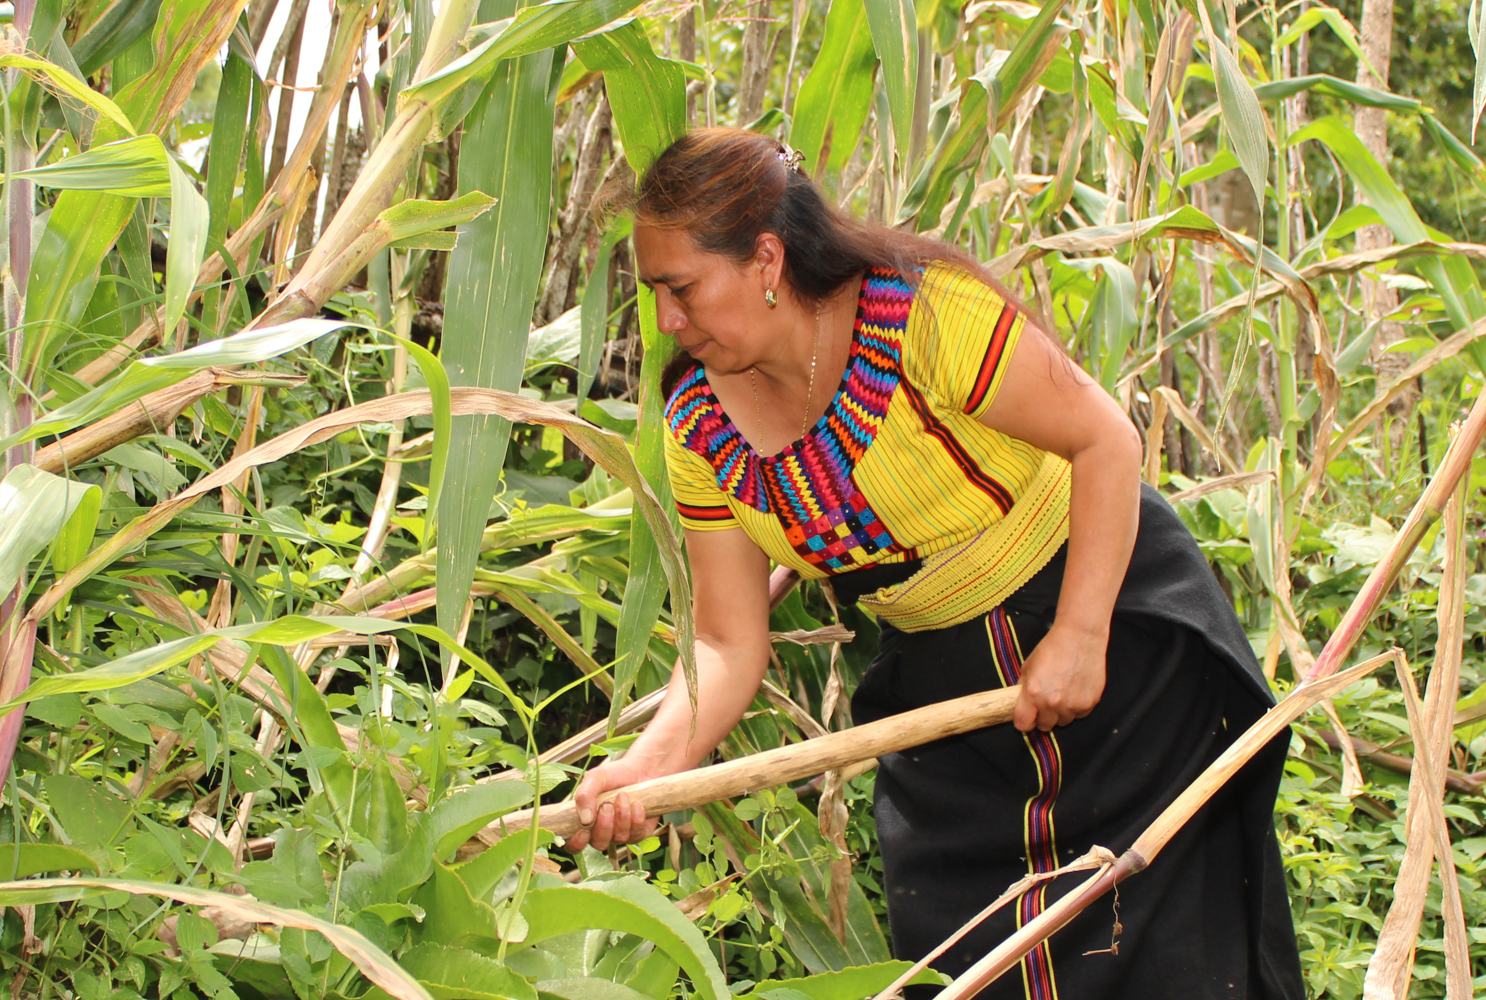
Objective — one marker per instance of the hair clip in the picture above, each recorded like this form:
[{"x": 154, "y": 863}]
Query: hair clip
[{"x": 791, "y": 158}]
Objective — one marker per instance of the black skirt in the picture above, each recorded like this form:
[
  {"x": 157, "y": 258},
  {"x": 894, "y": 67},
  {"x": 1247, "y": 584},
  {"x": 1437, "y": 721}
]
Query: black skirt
[{"x": 961, "y": 819}]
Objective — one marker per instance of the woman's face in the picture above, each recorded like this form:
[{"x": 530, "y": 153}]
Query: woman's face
[{"x": 714, "y": 308}]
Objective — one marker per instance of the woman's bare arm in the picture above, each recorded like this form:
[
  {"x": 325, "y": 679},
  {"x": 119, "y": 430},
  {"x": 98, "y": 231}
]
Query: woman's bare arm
[
  {"x": 730, "y": 580},
  {"x": 1047, "y": 401}
]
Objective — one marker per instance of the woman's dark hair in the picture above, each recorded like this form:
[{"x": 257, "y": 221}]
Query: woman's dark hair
[{"x": 725, "y": 186}]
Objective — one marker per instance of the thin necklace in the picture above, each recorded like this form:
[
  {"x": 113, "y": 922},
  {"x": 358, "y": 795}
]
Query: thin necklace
[{"x": 758, "y": 409}]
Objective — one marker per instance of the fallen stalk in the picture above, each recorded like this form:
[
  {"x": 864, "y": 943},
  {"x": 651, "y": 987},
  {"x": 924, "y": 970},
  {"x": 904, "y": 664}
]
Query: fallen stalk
[
  {"x": 1321, "y": 682},
  {"x": 1455, "y": 781},
  {"x": 786, "y": 764}
]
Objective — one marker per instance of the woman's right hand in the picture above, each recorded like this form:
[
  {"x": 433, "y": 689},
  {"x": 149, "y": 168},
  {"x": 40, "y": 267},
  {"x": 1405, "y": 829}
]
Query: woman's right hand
[{"x": 619, "y": 820}]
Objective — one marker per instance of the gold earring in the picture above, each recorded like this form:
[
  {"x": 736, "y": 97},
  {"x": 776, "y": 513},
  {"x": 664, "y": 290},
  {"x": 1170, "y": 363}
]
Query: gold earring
[{"x": 770, "y": 299}]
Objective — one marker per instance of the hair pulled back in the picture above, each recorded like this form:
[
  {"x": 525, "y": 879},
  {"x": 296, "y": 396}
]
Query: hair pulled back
[{"x": 726, "y": 186}]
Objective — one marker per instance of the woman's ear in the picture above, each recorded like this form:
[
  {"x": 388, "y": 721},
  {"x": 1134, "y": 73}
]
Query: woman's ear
[{"x": 768, "y": 254}]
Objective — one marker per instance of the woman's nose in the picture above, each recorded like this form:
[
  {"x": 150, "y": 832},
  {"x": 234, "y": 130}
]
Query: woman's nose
[{"x": 669, "y": 317}]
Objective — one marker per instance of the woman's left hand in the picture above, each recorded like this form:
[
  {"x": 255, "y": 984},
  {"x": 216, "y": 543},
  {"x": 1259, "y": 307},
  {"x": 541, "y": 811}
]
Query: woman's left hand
[{"x": 1063, "y": 679}]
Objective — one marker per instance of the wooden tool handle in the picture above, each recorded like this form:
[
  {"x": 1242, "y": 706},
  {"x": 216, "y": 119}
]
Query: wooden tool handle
[{"x": 690, "y": 789}]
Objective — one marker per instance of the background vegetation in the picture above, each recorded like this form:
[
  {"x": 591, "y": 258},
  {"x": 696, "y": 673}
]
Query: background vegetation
[{"x": 297, "y": 604}]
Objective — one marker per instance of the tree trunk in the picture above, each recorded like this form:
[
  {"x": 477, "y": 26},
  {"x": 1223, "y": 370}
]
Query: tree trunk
[
  {"x": 1372, "y": 128},
  {"x": 756, "y": 51}
]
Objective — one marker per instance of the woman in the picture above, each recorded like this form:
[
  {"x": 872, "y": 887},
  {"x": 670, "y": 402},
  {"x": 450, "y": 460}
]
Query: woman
[{"x": 937, "y": 457}]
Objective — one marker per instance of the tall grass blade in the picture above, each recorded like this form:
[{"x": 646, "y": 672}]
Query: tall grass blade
[
  {"x": 832, "y": 106},
  {"x": 493, "y": 278},
  {"x": 894, "y": 28}
]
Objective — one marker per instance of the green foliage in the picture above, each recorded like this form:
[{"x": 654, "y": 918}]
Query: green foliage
[{"x": 322, "y": 681}]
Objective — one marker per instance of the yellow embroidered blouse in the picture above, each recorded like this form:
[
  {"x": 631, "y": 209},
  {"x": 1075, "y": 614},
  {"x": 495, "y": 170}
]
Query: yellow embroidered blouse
[{"x": 899, "y": 467}]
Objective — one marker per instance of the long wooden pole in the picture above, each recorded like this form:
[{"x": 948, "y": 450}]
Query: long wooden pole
[
  {"x": 785, "y": 764},
  {"x": 1319, "y": 683}
]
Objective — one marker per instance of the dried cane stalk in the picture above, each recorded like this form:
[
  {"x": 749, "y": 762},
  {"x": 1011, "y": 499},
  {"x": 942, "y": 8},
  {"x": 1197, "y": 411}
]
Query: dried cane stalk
[
  {"x": 1391, "y": 967},
  {"x": 801, "y": 760}
]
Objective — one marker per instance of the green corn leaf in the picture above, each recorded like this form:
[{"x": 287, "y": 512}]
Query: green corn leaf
[
  {"x": 67, "y": 86},
  {"x": 229, "y": 136},
  {"x": 1114, "y": 318},
  {"x": 115, "y": 30},
  {"x": 894, "y": 28},
  {"x": 493, "y": 279},
  {"x": 34, "y": 508},
  {"x": 533, "y": 30},
  {"x": 291, "y": 630},
  {"x": 834, "y": 99},
  {"x": 1339, "y": 25},
  {"x": 648, "y": 94},
  {"x": 437, "y": 378},
  {"x": 1452, "y": 277},
  {"x": 645, "y": 591},
  {"x": 416, "y": 217},
  {"x": 1320, "y": 83},
  {"x": 137, "y": 167},
  {"x": 189, "y": 221},
  {"x": 1243, "y": 118},
  {"x": 149, "y": 374},
  {"x": 375, "y": 964},
  {"x": 76, "y": 537}
]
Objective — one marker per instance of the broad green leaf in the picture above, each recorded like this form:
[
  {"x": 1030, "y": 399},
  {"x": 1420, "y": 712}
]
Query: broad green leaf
[
  {"x": 852, "y": 983},
  {"x": 834, "y": 99},
  {"x": 631, "y": 906},
  {"x": 66, "y": 85},
  {"x": 23, "y": 860},
  {"x": 482, "y": 873},
  {"x": 458, "y": 974},
  {"x": 34, "y": 508},
  {"x": 375, "y": 964},
  {"x": 492, "y": 283},
  {"x": 137, "y": 167},
  {"x": 588, "y": 988},
  {"x": 894, "y": 28},
  {"x": 149, "y": 374},
  {"x": 90, "y": 814},
  {"x": 460, "y": 815},
  {"x": 648, "y": 94},
  {"x": 454, "y": 915}
]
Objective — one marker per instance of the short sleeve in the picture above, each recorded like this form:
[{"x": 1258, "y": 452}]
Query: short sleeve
[
  {"x": 699, "y": 500},
  {"x": 964, "y": 333}
]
